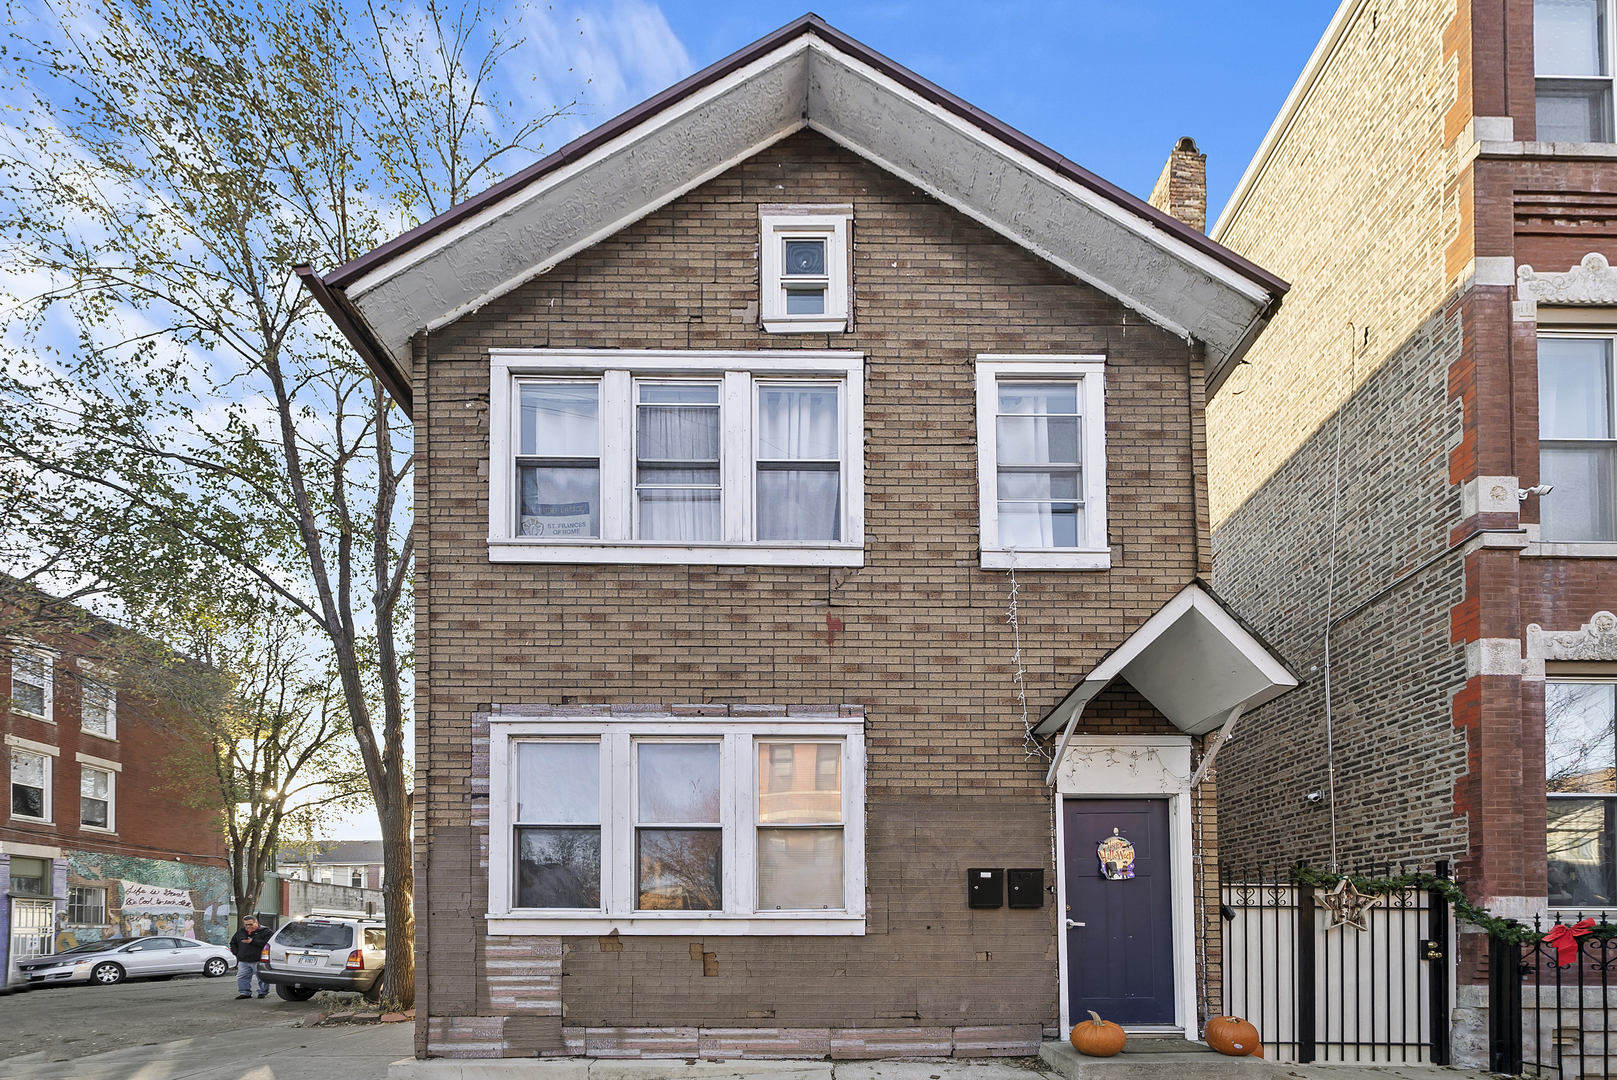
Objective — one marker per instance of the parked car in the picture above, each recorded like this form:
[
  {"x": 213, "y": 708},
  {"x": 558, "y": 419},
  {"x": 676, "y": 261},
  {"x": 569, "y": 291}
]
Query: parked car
[
  {"x": 116, "y": 959},
  {"x": 326, "y": 951}
]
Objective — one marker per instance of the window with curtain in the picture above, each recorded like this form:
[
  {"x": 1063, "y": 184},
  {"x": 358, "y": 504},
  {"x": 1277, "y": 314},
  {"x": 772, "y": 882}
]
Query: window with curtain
[
  {"x": 678, "y": 486},
  {"x": 1577, "y": 430},
  {"x": 799, "y": 463},
  {"x": 559, "y": 460},
  {"x": 95, "y": 798},
  {"x": 1572, "y": 69},
  {"x": 1580, "y": 769},
  {"x": 30, "y": 784},
  {"x": 661, "y": 827},
  {"x": 685, "y": 457}
]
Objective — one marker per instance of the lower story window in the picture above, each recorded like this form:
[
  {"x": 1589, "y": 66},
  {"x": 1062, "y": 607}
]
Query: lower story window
[
  {"x": 1580, "y": 766},
  {"x": 649, "y": 825},
  {"x": 86, "y": 906}
]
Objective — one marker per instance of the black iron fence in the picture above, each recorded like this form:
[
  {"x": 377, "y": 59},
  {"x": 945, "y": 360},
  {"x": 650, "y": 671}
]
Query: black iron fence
[
  {"x": 1549, "y": 1018},
  {"x": 1319, "y": 988}
]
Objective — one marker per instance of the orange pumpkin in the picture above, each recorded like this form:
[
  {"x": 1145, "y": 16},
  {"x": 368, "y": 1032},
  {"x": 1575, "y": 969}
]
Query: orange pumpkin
[
  {"x": 1097, "y": 1037},
  {"x": 1233, "y": 1036}
]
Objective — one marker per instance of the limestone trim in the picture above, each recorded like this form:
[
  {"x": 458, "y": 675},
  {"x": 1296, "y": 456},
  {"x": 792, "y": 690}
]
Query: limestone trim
[
  {"x": 1594, "y": 640},
  {"x": 1591, "y": 282}
]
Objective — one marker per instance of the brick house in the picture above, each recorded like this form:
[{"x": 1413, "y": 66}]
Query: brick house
[
  {"x": 96, "y": 842},
  {"x": 1440, "y": 188},
  {"x": 744, "y": 424}
]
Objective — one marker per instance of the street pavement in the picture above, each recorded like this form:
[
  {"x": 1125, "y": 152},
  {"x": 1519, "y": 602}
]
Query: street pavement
[{"x": 255, "y": 1053}]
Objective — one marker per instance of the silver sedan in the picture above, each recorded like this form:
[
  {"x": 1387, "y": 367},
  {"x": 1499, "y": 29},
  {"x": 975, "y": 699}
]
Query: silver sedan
[{"x": 116, "y": 959}]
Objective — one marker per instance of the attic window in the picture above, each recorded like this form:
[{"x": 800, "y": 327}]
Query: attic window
[{"x": 804, "y": 272}]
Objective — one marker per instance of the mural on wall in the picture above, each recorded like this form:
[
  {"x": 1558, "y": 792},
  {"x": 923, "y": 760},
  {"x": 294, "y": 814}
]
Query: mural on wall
[{"x": 150, "y": 896}]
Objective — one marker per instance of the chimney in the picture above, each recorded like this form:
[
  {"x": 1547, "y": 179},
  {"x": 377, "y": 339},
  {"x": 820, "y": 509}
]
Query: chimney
[{"x": 1181, "y": 190}]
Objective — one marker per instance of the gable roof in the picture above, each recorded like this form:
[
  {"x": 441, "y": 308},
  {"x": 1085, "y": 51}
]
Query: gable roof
[{"x": 805, "y": 75}]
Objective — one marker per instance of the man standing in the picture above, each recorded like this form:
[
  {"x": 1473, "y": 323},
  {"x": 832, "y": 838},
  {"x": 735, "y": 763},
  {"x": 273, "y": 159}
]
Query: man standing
[{"x": 248, "y": 945}]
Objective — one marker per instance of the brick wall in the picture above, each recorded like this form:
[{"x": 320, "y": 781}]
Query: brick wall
[
  {"x": 1394, "y": 665},
  {"x": 923, "y": 644}
]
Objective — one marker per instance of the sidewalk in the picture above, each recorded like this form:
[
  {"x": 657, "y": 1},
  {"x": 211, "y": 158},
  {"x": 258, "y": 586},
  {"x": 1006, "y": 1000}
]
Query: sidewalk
[{"x": 280, "y": 1052}]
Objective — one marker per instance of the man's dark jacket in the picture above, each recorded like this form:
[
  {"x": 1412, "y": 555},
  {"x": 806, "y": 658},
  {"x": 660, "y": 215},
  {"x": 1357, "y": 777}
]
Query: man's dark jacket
[{"x": 250, "y": 947}]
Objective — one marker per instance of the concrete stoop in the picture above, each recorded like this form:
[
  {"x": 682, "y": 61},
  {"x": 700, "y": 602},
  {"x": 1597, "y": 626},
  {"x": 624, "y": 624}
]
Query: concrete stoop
[{"x": 1156, "y": 1059}]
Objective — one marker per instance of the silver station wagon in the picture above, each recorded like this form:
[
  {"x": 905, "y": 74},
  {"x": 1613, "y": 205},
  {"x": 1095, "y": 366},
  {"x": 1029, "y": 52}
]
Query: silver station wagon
[
  {"x": 326, "y": 951},
  {"x": 116, "y": 959}
]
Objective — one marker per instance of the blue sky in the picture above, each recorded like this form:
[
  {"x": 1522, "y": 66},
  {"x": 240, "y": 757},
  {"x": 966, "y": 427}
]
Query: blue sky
[{"x": 1111, "y": 84}]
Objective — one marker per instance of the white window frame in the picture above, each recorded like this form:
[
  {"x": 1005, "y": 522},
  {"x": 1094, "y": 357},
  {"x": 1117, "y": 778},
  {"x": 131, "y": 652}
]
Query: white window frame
[
  {"x": 738, "y": 818},
  {"x": 1553, "y": 796},
  {"x": 1603, "y": 547},
  {"x": 617, "y": 370},
  {"x": 112, "y": 769},
  {"x": 86, "y": 682},
  {"x": 776, "y": 225},
  {"x": 46, "y": 661},
  {"x": 44, "y": 750},
  {"x": 1094, "y": 551}
]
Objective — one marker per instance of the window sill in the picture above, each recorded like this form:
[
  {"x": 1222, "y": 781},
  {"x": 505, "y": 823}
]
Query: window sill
[
  {"x": 98, "y": 830},
  {"x": 26, "y": 820},
  {"x": 99, "y": 735},
  {"x": 710, "y": 924},
  {"x": 33, "y": 716},
  {"x": 1005, "y": 559},
  {"x": 785, "y": 324},
  {"x": 503, "y": 550},
  {"x": 1594, "y": 549}
]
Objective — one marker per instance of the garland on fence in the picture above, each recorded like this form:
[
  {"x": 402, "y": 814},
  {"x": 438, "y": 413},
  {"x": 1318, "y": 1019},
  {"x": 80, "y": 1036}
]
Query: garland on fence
[{"x": 1508, "y": 929}]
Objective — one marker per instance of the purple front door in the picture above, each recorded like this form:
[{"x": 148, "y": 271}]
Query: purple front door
[{"x": 1120, "y": 962}]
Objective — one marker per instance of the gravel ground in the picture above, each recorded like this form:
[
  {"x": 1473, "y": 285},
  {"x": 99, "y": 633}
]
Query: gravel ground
[{"x": 68, "y": 1022}]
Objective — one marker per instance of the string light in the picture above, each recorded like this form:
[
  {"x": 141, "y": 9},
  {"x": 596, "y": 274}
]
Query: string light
[{"x": 1031, "y": 745}]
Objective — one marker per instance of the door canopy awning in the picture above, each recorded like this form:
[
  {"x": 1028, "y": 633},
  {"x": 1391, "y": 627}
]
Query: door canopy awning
[{"x": 1193, "y": 660}]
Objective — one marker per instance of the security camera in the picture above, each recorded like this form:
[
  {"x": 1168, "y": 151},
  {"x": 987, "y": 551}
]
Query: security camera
[
  {"x": 1537, "y": 489},
  {"x": 1314, "y": 796}
]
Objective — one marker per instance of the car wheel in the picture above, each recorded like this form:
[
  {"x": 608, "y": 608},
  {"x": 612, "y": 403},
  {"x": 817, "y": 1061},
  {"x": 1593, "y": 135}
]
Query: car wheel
[
  {"x": 216, "y": 967},
  {"x": 107, "y": 974},
  {"x": 294, "y": 993},
  {"x": 374, "y": 994}
]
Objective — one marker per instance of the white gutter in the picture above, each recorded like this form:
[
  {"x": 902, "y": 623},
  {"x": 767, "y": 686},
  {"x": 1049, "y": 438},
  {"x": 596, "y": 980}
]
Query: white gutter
[{"x": 1300, "y": 93}]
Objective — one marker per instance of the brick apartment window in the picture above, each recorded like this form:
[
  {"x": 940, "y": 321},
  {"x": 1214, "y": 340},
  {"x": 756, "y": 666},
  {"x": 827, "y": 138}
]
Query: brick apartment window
[
  {"x": 1577, "y": 430},
  {"x": 30, "y": 877},
  {"x": 1041, "y": 462},
  {"x": 1572, "y": 62},
  {"x": 30, "y": 784},
  {"x": 95, "y": 798},
  {"x": 727, "y": 458},
  {"x": 641, "y": 825},
  {"x": 1580, "y": 767},
  {"x": 31, "y": 684},
  {"x": 86, "y": 905},
  {"x": 803, "y": 256},
  {"x": 98, "y": 709}
]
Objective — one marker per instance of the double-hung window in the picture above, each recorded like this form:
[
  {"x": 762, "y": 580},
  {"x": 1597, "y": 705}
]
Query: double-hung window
[
  {"x": 1577, "y": 429},
  {"x": 671, "y": 825},
  {"x": 31, "y": 684},
  {"x": 1572, "y": 66},
  {"x": 1041, "y": 461},
  {"x": 98, "y": 708},
  {"x": 95, "y": 798},
  {"x": 677, "y": 457},
  {"x": 30, "y": 784},
  {"x": 1580, "y": 768}
]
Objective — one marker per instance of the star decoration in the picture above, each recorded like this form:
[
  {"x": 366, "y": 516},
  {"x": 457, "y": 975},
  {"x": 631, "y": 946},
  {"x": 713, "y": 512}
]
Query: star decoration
[{"x": 1348, "y": 906}]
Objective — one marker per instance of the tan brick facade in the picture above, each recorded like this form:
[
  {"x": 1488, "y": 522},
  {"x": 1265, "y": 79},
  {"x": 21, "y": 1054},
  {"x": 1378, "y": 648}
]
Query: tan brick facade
[{"x": 917, "y": 638}]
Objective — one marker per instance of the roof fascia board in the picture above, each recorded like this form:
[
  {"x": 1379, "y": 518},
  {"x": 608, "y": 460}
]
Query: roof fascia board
[
  {"x": 491, "y": 211},
  {"x": 394, "y": 378},
  {"x": 1301, "y": 91},
  {"x": 1127, "y": 217}
]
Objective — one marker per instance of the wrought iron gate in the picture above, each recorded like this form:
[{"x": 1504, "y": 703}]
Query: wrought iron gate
[
  {"x": 1334, "y": 993},
  {"x": 1548, "y": 1020}
]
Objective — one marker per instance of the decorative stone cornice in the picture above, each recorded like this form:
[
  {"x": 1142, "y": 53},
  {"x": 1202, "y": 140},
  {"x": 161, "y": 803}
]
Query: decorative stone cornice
[
  {"x": 1594, "y": 640},
  {"x": 1591, "y": 282}
]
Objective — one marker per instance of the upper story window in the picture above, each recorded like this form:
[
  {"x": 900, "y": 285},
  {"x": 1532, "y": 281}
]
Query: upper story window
[
  {"x": 1577, "y": 430},
  {"x": 677, "y": 457},
  {"x": 31, "y": 684},
  {"x": 1580, "y": 768},
  {"x": 98, "y": 708},
  {"x": 1572, "y": 64},
  {"x": 95, "y": 798},
  {"x": 803, "y": 268},
  {"x": 30, "y": 784},
  {"x": 677, "y": 825},
  {"x": 1041, "y": 460}
]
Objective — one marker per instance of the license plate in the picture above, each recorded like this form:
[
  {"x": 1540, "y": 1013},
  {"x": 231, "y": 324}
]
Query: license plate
[{"x": 308, "y": 959}]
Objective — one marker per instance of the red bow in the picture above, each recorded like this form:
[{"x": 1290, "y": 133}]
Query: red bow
[{"x": 1565, "y": 939}]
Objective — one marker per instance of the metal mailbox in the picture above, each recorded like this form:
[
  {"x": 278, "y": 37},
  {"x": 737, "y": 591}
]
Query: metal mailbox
[
  {"x": 1025, "y": 887},
  {"x": 985, "y": 888}
]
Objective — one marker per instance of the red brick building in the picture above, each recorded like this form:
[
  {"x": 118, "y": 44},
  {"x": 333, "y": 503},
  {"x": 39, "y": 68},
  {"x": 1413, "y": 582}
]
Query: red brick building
[
  {"x": 1414, "y": 478},
  {"x": 97, "y": 841},
  {"x": 797, "y": 452}
]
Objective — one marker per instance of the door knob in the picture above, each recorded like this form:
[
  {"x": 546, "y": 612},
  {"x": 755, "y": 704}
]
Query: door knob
[{"x": 1071, "y": 924}]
